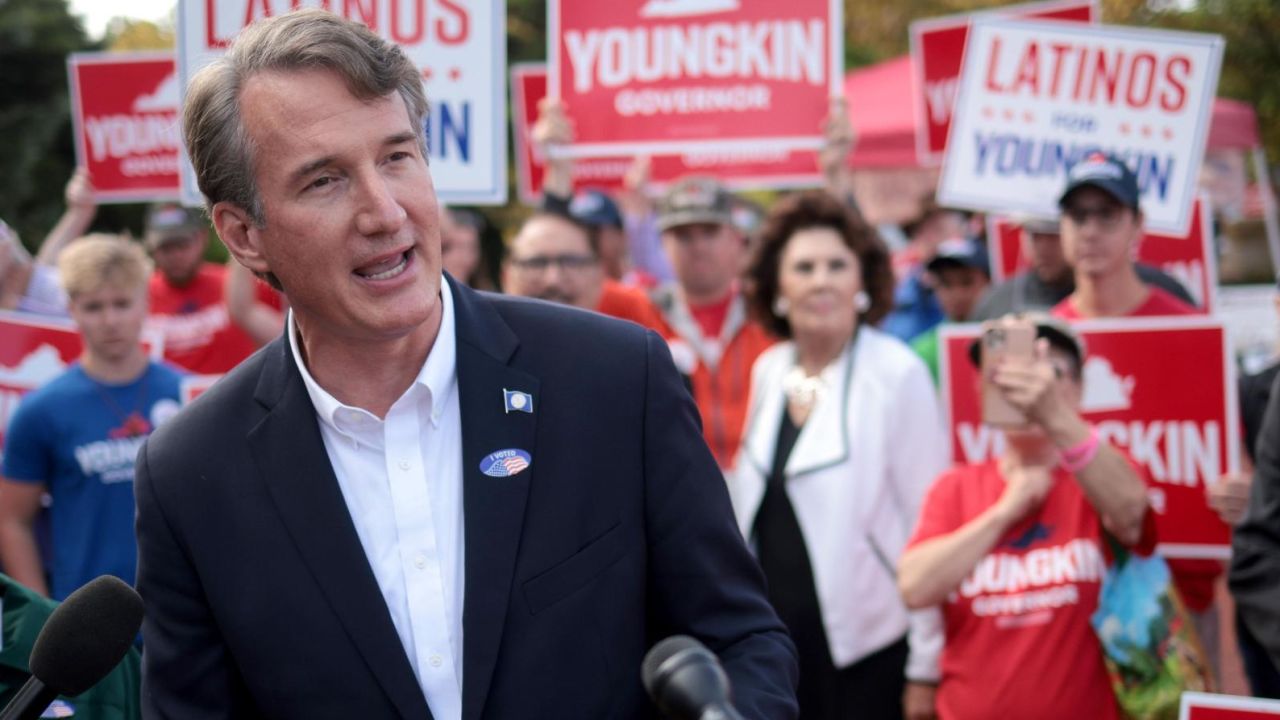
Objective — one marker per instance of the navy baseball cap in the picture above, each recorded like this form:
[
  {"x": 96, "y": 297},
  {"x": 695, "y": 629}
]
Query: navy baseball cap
[
  {"x": 960, "y": 252},
  {"x": 595, "y": 209},
  {"x": 1108, "y": 174}
]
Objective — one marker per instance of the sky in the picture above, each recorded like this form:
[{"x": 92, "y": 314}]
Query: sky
[{"x": 97, "y": 12}]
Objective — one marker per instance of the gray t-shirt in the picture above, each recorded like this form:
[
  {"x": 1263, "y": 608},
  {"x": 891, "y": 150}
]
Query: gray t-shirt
[{"x": 1026, "y": 292}]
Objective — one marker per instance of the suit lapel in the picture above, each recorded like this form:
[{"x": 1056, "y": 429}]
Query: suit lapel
[
  {"x": 293, "y": 463},
  {"x": 493, "y": 507}
]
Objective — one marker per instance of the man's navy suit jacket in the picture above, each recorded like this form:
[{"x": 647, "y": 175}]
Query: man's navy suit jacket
[{"x": 260, "y": 601}]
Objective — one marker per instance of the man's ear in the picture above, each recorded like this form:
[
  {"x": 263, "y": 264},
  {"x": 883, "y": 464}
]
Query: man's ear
[
  {"x": 240, "y": 235},
  {"x": 1135, "y": 244}
]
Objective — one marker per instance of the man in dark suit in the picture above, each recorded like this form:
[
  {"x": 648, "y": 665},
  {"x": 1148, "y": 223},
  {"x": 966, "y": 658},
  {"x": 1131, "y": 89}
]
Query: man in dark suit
[
  {"x": 1255, "y": 557},
  {"x": 421, "y": 501}
]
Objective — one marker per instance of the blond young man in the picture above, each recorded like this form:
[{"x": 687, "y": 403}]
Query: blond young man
[{"x": 76, "y": 437}]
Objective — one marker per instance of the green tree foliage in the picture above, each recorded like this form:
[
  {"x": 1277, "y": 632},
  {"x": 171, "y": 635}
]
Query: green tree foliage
[
  {"x": 126, "y": 34},
  {"x": 1251, "y": 62},
  {"x": 37, "y": 156}
]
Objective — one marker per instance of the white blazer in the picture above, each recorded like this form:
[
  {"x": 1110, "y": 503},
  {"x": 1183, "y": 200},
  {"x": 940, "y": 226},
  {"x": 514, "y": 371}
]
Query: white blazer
[{"x": 857, "y": 476}]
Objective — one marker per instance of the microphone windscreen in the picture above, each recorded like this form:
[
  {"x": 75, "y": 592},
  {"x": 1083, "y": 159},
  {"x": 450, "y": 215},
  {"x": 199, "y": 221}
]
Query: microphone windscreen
[
  {"x": 660, "y": 653},
  {"x": 87, "y": 635}
]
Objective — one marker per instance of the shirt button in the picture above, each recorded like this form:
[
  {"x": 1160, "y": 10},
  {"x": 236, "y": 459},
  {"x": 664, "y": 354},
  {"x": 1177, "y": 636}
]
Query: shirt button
[
  {"x": 404, "y": 464},
  {"x": 420, "y": 561},
  {"x": 436, "y": 661}
]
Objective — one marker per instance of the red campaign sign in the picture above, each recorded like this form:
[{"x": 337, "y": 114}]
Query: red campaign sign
[
  {"x": 1189, "y": 258},
  {"x": 125, "y": 116},
  {"x": 937, "y": 51},
  {"x": 766, "y": 169},
  {"x": 1208, "y": 706},
  {"x": 35, "y": 350},
  {"x": 193, "y": 386},
  {"x": 1177, "y": 417},
  {"x": 32, "y": 352},
  {"x": 650, "y": 76}
]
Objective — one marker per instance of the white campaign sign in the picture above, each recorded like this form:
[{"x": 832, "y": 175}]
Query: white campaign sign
[
  {"x": 460, "y": 47},
  {"x": 1037, "y": 97}
]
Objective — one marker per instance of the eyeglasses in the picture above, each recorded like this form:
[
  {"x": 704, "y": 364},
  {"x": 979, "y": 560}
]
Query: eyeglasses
[
  {"x": 1108, "y": 216},
  {"x": 541, "y": 263}
]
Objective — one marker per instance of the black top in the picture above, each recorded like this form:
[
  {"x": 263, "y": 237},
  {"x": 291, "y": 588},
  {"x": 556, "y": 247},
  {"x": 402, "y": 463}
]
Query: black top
[
  {"x": 784, "y": 557},
  {"x": 1255, "y": 392}
]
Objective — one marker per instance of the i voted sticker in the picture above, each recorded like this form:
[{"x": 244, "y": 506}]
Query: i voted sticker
[
  {"x": 505, "y": 463},
  {"x": 59, "y": 709}
]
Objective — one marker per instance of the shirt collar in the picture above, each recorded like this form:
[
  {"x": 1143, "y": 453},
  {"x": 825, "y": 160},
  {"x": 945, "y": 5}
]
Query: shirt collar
[{"x": 438, "y": 375}]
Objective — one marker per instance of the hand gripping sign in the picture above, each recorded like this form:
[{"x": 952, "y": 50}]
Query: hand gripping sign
[
  {"x": 762, "y": 168},
  {"x": 460, "y": 47},
  {"x": 1177, "y": 417},
  {"x": 125, "y": 116},
  {"x": 937, "y": 49},
  {"x": 1037, "y": 97},
  {"x": 666, "y": 76}
]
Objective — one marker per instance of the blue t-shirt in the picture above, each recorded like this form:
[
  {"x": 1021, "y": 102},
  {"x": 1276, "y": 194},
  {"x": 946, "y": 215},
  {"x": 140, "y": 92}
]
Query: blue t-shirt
[
  {"x": 80, "y": 437},
  {"x": 915, "y": 309}
]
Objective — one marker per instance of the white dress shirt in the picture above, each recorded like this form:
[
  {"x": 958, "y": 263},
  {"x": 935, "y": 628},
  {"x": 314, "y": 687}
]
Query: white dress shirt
[{"x": 402, "y": 481}]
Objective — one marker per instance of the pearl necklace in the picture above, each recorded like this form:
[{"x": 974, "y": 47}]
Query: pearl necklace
[{"x": 801, "y": 389}]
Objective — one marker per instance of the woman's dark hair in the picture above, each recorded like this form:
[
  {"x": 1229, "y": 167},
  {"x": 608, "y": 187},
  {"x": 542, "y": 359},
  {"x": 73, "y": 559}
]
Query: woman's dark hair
[{"x": 804, "y": 211}]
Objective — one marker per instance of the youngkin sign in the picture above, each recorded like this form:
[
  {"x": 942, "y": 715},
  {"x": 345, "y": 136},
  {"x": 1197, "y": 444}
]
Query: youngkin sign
[
  {"x": 651, "y": 76},
  {"x": 124, "y": 110},
  {"x": 1037, "y": 97},
  {"x": 460, "y": 47},
  {"x": 35, "y": 350},
  {"x": 1177, "y": 417},
  {"x": 1209, "y": 706},
  {"x": 937, "y": 49},
  {"x": 761, "y": 168},
  {"x": 1190, "y": 258}
]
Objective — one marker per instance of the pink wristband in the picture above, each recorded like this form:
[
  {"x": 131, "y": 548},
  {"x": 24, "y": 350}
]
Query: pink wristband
[{"x": 1074, "y": 459}]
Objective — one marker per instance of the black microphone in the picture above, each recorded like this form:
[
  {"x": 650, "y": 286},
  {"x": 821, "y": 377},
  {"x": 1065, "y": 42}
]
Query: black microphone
[
  {"x": 686, "y": 681},
  {"x": 84, "y": 639}
]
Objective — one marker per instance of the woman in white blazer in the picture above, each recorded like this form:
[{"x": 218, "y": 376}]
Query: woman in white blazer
[{"x": 843, "y": 439}]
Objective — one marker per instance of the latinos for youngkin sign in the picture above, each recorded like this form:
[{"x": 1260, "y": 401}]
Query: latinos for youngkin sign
[
  {"x": 1037, "y": 97},
  {"x": 460, "y": 48},
  {"x": 937, "y": 51},
  {"x": 670, "y": 76},
  {"x": 125, "y": 117}
]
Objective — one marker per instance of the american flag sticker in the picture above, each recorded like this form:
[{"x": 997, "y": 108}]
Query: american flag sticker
[{"x": 505, "y": 463}]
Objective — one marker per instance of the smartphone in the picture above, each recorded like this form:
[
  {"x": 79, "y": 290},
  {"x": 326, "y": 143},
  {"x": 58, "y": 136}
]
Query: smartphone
[{"x": 1009, "y": 339}]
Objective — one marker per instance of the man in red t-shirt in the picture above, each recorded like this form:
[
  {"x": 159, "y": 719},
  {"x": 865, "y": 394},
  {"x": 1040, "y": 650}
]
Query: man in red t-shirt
[
  {"x": 188, "y": 306},
  {"x": 1013, "y": 551},
  {"x": 1101, "y": 227}
]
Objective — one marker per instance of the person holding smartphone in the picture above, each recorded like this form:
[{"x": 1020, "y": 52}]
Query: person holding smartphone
[{"x": 1013, "y": 549}]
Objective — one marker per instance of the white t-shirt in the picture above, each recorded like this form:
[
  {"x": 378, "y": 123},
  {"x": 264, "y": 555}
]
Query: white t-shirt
[{"x": 44, "y": 295}]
